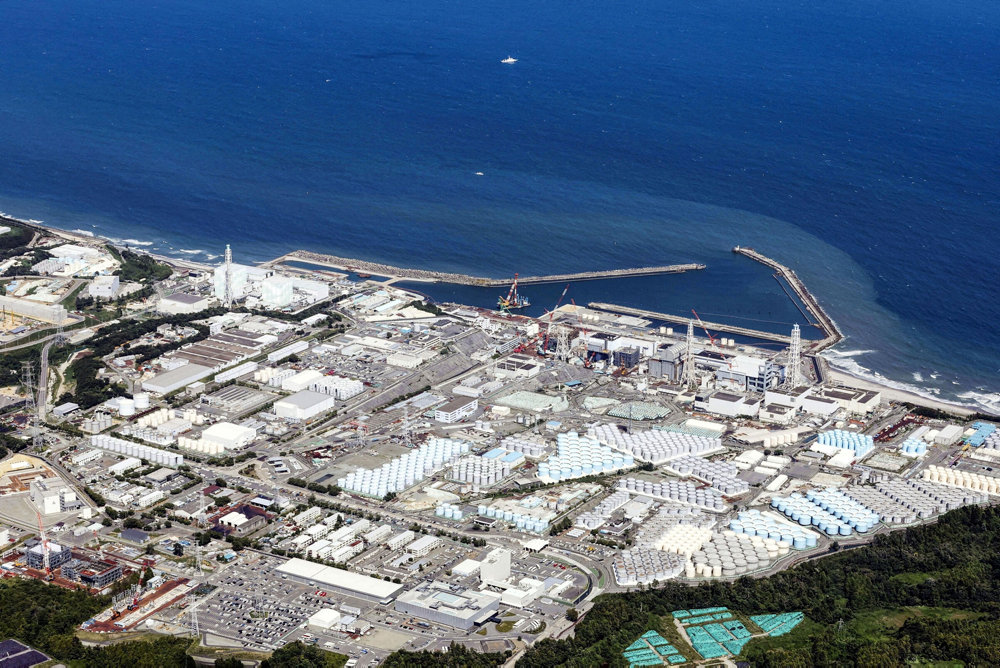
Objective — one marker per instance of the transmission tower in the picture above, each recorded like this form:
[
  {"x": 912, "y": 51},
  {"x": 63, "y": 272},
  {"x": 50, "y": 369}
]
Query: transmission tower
[
  {"x": 689, "y": 379},
  {"x": 562, "y": 343},
  {"x": 793, "y": 369},
  {"x": 407, "y": 430},
  {"x": 197, "y": 555},
  {"x": 228, "y": 289}
]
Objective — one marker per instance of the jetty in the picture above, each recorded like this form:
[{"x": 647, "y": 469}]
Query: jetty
[
  {"x": 831, "y": 332},
  {"x": 666, "y": 317},
  {"x": 397, "y": 273}
]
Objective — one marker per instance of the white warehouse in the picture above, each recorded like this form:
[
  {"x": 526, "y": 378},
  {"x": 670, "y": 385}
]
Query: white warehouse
[{"x": 304, "y": 405}]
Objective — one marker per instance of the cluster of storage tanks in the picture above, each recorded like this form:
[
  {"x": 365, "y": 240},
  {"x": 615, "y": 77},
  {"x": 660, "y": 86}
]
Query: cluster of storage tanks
[
  {"x": 164, "y": 415},
  {"x": 272, "y": 376},
  {"x": 890, "y": 507},
  {"x": 597, "y": 516},
  {"x": 202, "y": 445},
  {"x": 123, "y": 447},
  {"x": 520, "y": 521},
  {"x": 755, "y": 523},
  {"x": 831, "y": 510},
  {"x": 721, "y": 475},
  {"x": 859, "y": 444},
  {"x": 578, "y": 456},
  {"x": 129, "y": 407},
  {"x": 652, "y": 531},
  {"x": 957, "y": 478},
  {"x": 644, "y": 566},
  {"x": 338, "y": 386},
  {"x": 729, "y": 554},
  {"x": 682, "y": 491},
  {"x": 654, "y": 445},
  {"x": 527, "y": 446},
  {"x": 683, "y": 539},
  {"x": 479, "y": 470},
  {"x": 406, "y": 470},
  {"x": 449, "y": 511},
  {"x": 913, "y": 447}
]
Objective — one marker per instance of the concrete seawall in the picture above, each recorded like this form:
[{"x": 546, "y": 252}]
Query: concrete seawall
[
  {"x": 378, "y": 269},
  {"x": 832, "y": 332}
]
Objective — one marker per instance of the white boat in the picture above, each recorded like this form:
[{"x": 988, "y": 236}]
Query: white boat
[{"x": 509, "y": 60}]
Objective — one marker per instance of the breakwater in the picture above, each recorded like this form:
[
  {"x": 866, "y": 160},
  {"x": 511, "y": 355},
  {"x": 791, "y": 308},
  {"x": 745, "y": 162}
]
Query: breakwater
[
  {"x": 379, "y": 269},
  {"x": 666, "y": 317},
  {"x": 832, "y": 333}
]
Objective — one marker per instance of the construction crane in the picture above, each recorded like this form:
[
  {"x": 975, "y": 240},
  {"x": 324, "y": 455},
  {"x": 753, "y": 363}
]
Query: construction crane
[
  {"x": 707, "y": 333},
  {"x": 513, "y": 300},
  {"x": 587, "y": 363},
  {"x": 45, "y": 547},
  {"x": 545, "y": 345}
]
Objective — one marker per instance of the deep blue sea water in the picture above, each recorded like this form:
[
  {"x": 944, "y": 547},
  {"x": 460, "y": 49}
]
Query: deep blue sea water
[{"x": 857, "y": 142}]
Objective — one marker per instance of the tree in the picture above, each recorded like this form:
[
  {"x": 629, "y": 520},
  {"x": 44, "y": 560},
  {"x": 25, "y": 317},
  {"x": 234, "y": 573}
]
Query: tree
[
  {"x": 228, "y": 662},
  {"x": 572, "y": 615}
]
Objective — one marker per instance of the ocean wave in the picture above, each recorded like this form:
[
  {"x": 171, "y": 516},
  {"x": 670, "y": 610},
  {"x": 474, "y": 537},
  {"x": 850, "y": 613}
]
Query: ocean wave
[
  {"x": 853, "y": 368},
  {"x": 210, "y": 256},
  {"x": 987, "y": 401},
  {"x": 189, "y": 251},
  {"x": 917, "y": 376},
  {"x": 846, "y": 353},
  {"x": 136, "y": 242}
]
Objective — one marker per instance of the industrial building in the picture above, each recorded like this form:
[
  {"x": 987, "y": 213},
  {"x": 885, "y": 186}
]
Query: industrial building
[
  {"x": 423, "y": 545},
  {"x": 667, "y": 362},
  {"x": 324, "y": 620},
  {"x": 229, "y": 436},
  {"x": 452, "y": 606},
  {"x": 304, "y": 405},
  {"x": 94, "y": 573},
  {"x": 456, "y": 410},
  {"x": 181, "y": 302},
  {"x": 276, "y": 292},
  {"x": 104, "y": 287},
  {"x": 242, "y": 522},
  {"x": 495, "y": 567},
  {"x": 53, "y": 495},
  {"x": 176, "y": 379},
  {"x": 58, "y": 555},
  {"x": 51, "y": 313},
  {"x": 339, "y": 580},
  {"x": 851, "y": 400}
]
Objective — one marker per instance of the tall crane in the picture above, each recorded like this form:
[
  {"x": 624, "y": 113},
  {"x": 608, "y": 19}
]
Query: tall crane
[
  {"x": 707, "y": 333},
  {"x": 545, "y": 345},
  {"x": 45, "y": 547},
  {"x": 586, "y": 337},
  {"x": 513, "y": 300}
]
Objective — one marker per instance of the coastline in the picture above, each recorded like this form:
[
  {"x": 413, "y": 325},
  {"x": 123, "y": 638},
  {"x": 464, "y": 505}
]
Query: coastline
[
  {"x": 835, "y": 373},
  {"x": 895, "y": 394}
]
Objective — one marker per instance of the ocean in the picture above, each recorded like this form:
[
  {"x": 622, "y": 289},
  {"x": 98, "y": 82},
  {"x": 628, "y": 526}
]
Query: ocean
[{"x": 856, "y": 142}]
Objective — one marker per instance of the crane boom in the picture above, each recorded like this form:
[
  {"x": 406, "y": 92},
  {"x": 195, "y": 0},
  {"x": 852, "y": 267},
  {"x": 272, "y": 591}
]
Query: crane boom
[
  {"x": 702, "y": 324},
  {"x": 545, "y": 346}
]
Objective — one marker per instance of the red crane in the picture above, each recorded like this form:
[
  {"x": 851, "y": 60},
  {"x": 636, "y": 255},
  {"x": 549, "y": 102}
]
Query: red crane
[{"x": 707, "y": 333}]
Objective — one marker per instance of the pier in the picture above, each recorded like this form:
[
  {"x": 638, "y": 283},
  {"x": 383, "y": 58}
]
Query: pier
[
  {"x": 717, "y": 326},
  {"x": 396, "y": 273},
  {"x": 832, "y": 333}
]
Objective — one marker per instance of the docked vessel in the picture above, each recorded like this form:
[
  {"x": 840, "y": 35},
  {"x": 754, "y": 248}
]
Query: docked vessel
[{"x": 513, "y": 300}]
